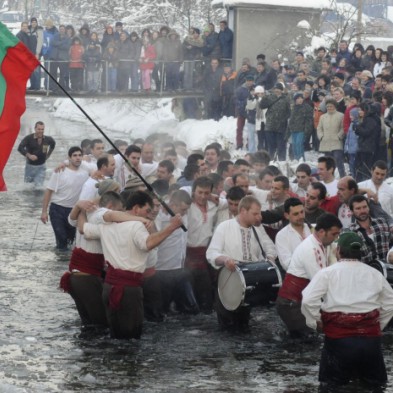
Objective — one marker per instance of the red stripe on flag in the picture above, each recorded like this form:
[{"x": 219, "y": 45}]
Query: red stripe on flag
[{"x": 16, "y": 69}]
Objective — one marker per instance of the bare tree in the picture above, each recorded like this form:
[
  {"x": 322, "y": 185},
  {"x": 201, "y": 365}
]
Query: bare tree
[{"x": 342, "y": 21}]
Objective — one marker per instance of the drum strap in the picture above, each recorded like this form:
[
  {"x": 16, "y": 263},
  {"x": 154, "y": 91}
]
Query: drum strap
[{"x": 259, "y": 242}]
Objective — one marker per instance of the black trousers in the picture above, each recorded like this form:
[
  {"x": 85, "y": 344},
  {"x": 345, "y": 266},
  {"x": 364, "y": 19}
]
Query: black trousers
[
  {"x": 152, "y": 301},
  {"x": 231, "y": 320},
  {"x": 126, "y": 322},
  {"x": 350, "y": 358},
  {"x": 86, "y": 290},
  {"x": 176, "y": 287},
  {"x": 290, "y": 313}
]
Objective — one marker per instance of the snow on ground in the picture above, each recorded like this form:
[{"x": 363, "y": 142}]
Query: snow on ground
[{"x": 139, "y": 118}]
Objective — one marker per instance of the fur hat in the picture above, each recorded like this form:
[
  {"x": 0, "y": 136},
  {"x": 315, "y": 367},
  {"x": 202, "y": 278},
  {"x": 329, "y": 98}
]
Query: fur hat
[
  {"x": 107, "y": 185},
  {"x": 134, "y": 183}
]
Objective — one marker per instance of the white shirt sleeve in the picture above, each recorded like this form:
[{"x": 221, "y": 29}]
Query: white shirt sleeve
[
  {"x": 140, "y": 237},
  {"x": 311, "y": 302},
  {"x": 216, "y": 246},
  {"x": 91, "y": 231},
  {"x": 283, "y": 249}
]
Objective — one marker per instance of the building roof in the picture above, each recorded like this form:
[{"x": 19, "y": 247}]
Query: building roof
[{"x": 308, "y": 4}]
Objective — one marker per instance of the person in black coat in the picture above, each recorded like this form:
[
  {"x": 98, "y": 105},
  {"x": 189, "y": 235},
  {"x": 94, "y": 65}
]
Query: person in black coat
[
  {"x": 211, "y": 88},
  {"x": 368, "y": 130}
]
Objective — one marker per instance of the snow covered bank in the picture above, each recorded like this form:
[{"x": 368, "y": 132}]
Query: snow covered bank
[{"x": 139, "y": 118}]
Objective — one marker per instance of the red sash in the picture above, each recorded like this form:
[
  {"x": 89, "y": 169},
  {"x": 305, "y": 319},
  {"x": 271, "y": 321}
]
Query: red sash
[
  {"x": 196, "y": 258},
  {"x": 85, "y": 262},
  {"x": 119, "y": 279},
  {"x": 292, "y": 287},
  {"x": 340, "y": 325}
]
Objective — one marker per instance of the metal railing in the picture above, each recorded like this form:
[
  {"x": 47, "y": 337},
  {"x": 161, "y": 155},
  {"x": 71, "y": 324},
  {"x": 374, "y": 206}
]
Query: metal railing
[{"x": 173, "y": 76}]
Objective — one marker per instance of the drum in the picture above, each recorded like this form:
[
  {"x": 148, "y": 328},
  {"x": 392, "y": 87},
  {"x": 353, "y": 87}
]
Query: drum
[{"x": 254, "y": 283}]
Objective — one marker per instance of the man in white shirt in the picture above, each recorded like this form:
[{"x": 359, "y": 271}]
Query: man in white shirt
[
  {"x": 62, "y": 192},
  {"x": 376, "y": 184},
  {"x": 105, "y": 170},
  {"x": 84, "y": 280},
  {"x": 148, "y": 165},
  {"x": 288, "y": 238},
  {"x": 97, "y": 149},
  {"x": 265, "y": 179},
  {"x": 126, "y": 246},
  {"x": 212, "y": 157},
  {"x": 303, "y": 177},
  {"x": 201, "y": 218},
  {"x": 313, "y": 254},
  {"x": 174, "y": 280},
  {"x": 326, "y": 168},
  {"x": 122, "y": 172},
  {"x": 233, "y": 197},
  {"x": 357, "y": 304},
  {"x": 233, "y": 242}
]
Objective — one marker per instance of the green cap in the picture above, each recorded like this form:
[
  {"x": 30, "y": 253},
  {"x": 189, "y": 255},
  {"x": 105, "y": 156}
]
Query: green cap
[{"x": 350, "y": 241}]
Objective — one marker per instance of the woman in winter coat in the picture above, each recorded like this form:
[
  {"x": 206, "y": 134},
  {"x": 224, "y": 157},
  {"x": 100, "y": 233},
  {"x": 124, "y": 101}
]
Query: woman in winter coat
[
  {"x": 368, "y": 130},
  {"x": 148, "y": 55}
]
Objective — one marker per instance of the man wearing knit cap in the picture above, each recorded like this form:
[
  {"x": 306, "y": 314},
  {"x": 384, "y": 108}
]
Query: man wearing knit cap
[{"x": 357, "y": 304}]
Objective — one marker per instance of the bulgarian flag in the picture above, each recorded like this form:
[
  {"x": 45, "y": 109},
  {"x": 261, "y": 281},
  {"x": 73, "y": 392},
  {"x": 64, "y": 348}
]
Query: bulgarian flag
[{"x": 16, "y": 65}]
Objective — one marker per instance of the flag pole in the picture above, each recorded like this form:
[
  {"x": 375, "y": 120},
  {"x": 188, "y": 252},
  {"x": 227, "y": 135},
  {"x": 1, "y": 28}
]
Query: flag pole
[{"x": 148, "y": 186}]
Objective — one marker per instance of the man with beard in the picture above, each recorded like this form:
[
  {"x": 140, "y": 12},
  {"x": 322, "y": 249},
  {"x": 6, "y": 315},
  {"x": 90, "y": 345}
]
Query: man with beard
[
  {"x": 289, "y": 237},
  {"x": 311, "y": 256},
  {"x": 235, "y": 241},
  {"x": 374, "y": 232}
]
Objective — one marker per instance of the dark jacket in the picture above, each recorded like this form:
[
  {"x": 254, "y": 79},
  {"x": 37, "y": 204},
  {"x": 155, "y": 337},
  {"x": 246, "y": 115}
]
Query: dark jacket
[
  {"x": 278, "y": 112},
  {"x": 124, "y": 53},
  {"x": 368, "y": 131},
  {"x": 225, "y": 38},
  {"x": 212, "y": 46},
  {"x": 23, "y": 37},
  {"x": 92, "y": 56},
  {"x": 135, "y": 48},
  {"x": 241, "y": 95},
  {"x": 172, "y": 49},
  {"x": 212, "y": 82},
  {"x": 301, "y": 119},
  {"x": 60, "y": 47}
]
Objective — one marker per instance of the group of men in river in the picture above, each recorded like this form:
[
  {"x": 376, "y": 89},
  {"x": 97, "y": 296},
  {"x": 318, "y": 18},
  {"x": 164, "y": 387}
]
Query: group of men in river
[{"x": 132, "y": 259}]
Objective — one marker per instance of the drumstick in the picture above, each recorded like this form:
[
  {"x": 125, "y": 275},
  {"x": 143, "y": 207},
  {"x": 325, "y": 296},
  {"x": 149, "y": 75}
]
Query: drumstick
[{"x": 227, "y": 279}]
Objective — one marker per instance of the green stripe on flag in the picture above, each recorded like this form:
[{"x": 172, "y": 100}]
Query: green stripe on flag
[{"x": 7, "y": 40}]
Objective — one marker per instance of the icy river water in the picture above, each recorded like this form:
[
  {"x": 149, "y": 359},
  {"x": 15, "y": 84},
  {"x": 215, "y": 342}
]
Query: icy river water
[{"x": 42, "y": 347}]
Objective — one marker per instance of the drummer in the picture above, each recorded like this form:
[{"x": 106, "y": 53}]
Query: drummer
[{"x": 240, "y": 239}]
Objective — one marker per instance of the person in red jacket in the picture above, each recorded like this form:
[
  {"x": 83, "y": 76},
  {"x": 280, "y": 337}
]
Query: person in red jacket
[
  {"x": 76, "y": 65},
  {"x": 148, "y": 55}
]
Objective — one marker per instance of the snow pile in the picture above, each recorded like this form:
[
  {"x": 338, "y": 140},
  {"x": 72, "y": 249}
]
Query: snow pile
[{"x": 139, "y": 118}]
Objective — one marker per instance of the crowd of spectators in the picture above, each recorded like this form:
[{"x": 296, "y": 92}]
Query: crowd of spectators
[
  {"x": 277, "y": 102},
  {"x": 122, "y": 61}
]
